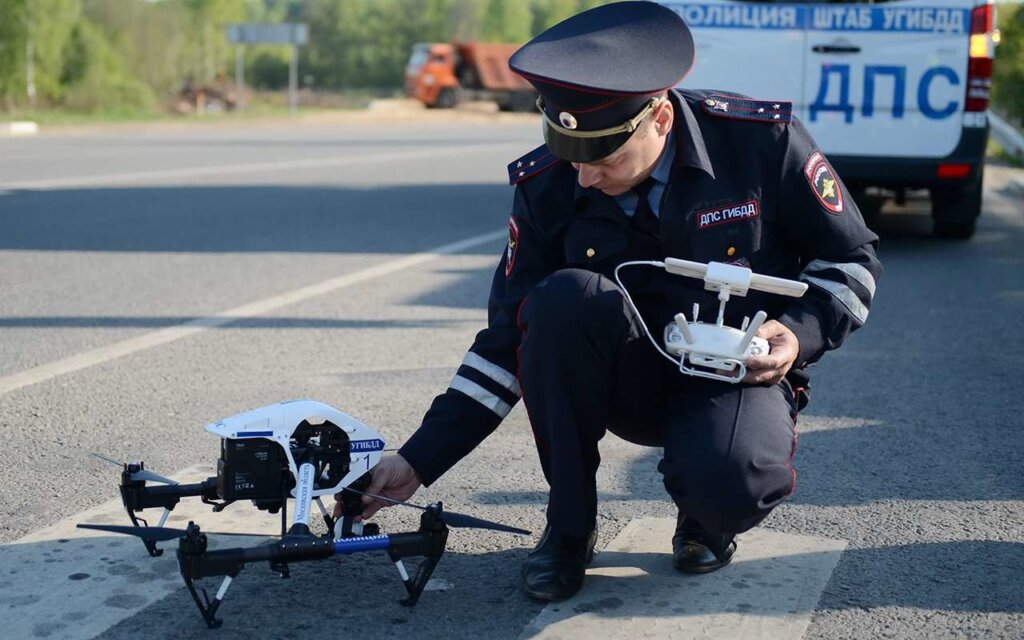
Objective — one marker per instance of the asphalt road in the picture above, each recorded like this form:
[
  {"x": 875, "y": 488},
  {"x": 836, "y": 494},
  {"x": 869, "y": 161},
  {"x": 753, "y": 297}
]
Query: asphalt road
[{"x": 911, "y": 449}]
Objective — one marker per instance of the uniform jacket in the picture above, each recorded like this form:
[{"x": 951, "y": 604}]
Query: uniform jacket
[{"x": 748, "y": 186}]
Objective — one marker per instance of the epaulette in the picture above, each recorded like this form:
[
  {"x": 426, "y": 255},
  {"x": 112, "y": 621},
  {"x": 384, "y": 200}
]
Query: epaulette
[
  {"x": 777, "y": 111},
  {"x": 531, "y": 164}
]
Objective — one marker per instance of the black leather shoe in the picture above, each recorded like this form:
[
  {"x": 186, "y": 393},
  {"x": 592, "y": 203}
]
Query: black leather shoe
[
  {"x": 692, "y": 548},
  {"x": 554, "y": 570}
]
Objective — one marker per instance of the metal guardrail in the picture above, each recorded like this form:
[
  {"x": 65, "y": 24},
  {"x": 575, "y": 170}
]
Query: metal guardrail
[{"x": 1008, "y": 137}]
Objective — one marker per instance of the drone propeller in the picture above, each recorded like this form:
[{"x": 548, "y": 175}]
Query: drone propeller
[
  {"x": 451, "y": 518},
  {"x": 141, "y": 474},
  {"x": 161, "y": 533}
]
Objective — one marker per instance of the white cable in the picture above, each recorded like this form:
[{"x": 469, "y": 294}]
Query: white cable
[{"x": 629, "y": 300}]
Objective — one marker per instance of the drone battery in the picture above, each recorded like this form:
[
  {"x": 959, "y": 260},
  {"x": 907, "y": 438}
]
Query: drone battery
[{"x": 249, "y": 469}]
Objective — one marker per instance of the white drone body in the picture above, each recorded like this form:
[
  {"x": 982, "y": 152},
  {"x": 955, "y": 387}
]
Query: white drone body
[
  {"x": 277, "y": 422},
  {"x": 717, "y": 351},
  {"x": 264, "y": 453}
]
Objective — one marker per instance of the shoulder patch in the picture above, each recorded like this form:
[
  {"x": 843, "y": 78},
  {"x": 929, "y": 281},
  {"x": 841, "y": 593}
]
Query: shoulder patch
[
  {"x": 823, "y": 183},
  {"x": 531, "y": 164},
  {"x": 513, "y": 245},
  {"x": 778, "y": 111}
]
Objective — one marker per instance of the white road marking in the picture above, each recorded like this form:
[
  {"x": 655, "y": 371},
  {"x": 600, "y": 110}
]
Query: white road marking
[
  {"x": 110, "y": 352},
  {"x": 811, "y": 423},
  {"x": 64, "y": 582},
  {"x": 256, "y": 167},
  {"x": 769, "y": 591}
]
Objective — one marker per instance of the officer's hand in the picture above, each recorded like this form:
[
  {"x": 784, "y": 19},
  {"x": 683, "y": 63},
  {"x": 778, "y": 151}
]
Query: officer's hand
[
  {"x": 783, "y": 350},
  {"x": 394, "y": 478}
]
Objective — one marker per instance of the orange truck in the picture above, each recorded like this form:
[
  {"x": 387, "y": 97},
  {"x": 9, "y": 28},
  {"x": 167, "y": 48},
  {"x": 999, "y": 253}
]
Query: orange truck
[{"x": 442, "y": 75}]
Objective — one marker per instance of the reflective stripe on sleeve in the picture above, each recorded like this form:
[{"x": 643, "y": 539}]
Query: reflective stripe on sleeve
[
  {"x": 493, "y": 371},
  {"x": 843, "y": 294},
  {"x": 852, "y": 269},
  {"x": 481, "y": 395}
]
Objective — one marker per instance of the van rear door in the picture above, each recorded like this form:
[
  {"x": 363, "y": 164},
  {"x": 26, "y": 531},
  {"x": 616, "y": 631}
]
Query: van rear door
[
  {"x": 883, "y": 79},
  {"x": 886, "y": 79},
  {"x": 753, "y": 48}
]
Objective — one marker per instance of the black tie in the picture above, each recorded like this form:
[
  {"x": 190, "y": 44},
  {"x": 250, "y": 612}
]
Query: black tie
[{"x": 644, "y": 219}]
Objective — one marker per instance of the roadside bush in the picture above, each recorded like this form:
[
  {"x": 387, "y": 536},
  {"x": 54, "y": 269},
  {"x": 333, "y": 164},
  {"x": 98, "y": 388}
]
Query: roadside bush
[
  {"x": 1008, "y": 71},
  {"x": 268, "y": 71},
  {"x": 96, "y": 77}
]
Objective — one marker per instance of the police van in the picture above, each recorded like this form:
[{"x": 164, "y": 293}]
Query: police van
[{"x": 895, "y": 93}]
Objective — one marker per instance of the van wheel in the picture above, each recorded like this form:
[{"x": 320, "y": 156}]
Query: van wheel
[
  {"x": 446, "y": 99},
  {"x": 955, "y": 210}
]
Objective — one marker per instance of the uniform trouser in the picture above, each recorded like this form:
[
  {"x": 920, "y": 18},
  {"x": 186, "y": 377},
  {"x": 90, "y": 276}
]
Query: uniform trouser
[{"x": 586, "y": 366}]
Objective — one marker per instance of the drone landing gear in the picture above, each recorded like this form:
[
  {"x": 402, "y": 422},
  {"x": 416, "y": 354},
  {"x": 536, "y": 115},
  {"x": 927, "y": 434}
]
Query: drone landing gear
[
  {"x": 136, "y": 496},
  {"x": 150, "y": 543},
  {"x": 208, "y": 608},
  {"x": 436, "y": 539},
  {"x": 196, "y": 562},
  {"x": 193, "y": 545}
]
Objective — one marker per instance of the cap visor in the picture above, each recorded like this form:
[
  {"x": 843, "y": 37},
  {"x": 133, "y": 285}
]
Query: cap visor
[{"x": 572, "y": 149}]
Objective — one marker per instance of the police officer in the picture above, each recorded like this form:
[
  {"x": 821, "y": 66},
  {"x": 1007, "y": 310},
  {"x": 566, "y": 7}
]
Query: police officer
[{"x": 635, "y": 170}]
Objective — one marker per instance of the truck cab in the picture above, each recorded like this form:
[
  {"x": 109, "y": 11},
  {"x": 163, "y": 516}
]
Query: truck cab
[
  {"x": 430, "y": 75},
  {"x": 444, "y": 75},
  {"x": 895, "y": 93}
]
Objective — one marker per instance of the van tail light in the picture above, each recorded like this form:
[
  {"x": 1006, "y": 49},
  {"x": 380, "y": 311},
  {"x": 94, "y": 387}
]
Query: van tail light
[
  {"x": 979, "y": 64},
  {"x": 948, "y": 171}
]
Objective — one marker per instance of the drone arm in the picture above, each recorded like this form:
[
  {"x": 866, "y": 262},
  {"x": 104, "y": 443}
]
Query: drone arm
[
  {"x": 196, "y": 564},
  {"x": 138, "y": 496}
]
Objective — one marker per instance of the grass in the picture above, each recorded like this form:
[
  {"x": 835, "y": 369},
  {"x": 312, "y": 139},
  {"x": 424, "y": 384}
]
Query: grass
[
  {"x": 262, "y": 105},
  {"x": 62, "y": 117}
]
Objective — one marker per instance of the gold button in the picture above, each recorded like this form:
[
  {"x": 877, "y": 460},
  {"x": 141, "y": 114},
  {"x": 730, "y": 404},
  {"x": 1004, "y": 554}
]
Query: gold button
[
  {"x": 731, "y": 251},
  {"x": 591, "y": 253}
]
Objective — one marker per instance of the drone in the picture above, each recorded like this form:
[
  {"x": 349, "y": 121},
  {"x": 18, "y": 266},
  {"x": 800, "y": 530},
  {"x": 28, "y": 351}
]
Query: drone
[
  {"x": 714, "y": 351},
  {"x": 299, "y": 450}
]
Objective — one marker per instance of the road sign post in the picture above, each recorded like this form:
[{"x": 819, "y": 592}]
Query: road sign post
[
  {"x": 239, "y": 75},
  {"x": 289, "y": 33}
]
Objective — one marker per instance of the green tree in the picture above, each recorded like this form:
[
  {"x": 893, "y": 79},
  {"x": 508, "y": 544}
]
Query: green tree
[
  {"x": 465, "y": 18},
  {"x": 13, "y": 41},
  {"x": 507, "y": 21},
  {"x": 212, "y": 53},
  {"x": 92, "y": 53},
  {"x": 547, "y": 13},
  {"x": 150, "y": 37},
  {"x": 95, "y": 76},
  {"x": 50, "y": 25},
  {"x": 333, "y": 36},
  {"x": 1008, "y": 69}
]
